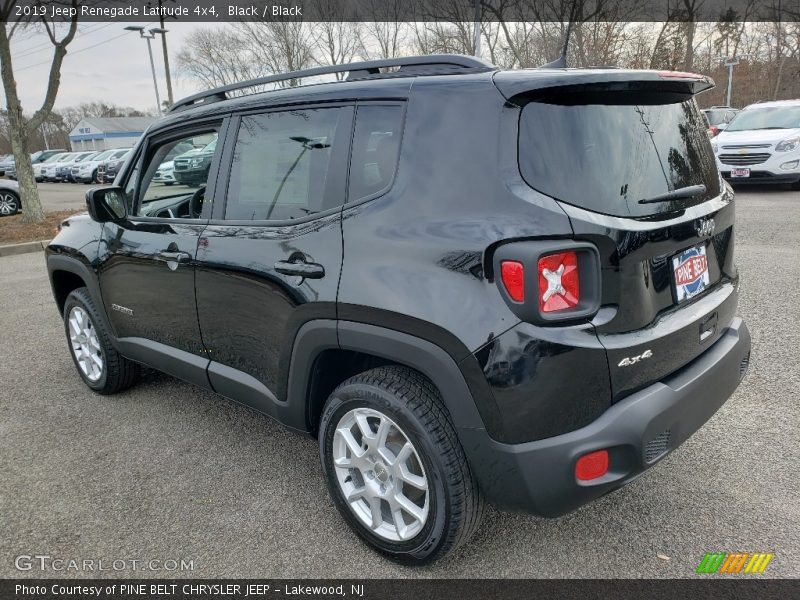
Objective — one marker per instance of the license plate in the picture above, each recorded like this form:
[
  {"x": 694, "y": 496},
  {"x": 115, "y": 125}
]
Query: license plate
[
  {"x": 740, "y": 172},
  {"x": 691, "y": 272}
]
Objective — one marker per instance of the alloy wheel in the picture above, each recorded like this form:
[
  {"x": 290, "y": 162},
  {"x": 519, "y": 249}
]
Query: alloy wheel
[
  {"x": 8, "y": 204},
  {"x": 380, "y": 474},
  {"x": 85, "y": 344}
]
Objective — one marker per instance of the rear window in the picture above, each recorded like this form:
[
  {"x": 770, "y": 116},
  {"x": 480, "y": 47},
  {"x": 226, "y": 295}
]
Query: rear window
[{"x": 608, "y": 157}]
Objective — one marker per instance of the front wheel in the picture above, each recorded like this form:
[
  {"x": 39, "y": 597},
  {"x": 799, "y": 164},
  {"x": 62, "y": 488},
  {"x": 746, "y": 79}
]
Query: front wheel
[
  {"x": 100, "y": 366},
  {"x": 395, "y": 468}
]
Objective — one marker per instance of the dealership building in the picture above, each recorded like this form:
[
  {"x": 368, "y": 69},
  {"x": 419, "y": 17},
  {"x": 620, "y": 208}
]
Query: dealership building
[{"x": 108, "y": 132}]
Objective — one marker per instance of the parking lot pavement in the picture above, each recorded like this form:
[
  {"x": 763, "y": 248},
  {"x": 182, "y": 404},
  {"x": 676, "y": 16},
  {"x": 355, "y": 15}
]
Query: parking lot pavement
[
  {"x": 168, "y": 471},
  {"x": 63, "y": 196}
]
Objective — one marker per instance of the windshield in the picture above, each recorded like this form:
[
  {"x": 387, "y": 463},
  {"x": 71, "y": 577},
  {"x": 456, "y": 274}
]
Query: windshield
[
  {"x": 210, "y": 148},
  {"x": 767, "y": 117},
  {"x": 103, "y": 155},
  {"x": 607, "y": 157}
]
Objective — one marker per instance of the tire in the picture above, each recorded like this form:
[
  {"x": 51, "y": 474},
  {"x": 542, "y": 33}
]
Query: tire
[
  {"x": 451, "y": 506},
  {"x": 115, "y": 373},
  {"x": 9, "y": 203}
]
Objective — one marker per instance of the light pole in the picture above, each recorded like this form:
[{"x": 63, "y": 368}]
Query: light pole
[
  {"x": 730, "y": 63},
  {"x": 476, "y": 28},
  {"x": 147, "y": 37}
]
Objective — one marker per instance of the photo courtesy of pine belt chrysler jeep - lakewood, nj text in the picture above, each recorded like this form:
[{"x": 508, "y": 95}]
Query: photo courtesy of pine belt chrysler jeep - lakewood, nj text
[{"x": 470, "y": 285}]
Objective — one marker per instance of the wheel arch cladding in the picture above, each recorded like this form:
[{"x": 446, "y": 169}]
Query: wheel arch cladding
[
  {"x": 63, "y": 283},
  {"x": 65, "y": 272},
  {"x": 319, "y": 363}
]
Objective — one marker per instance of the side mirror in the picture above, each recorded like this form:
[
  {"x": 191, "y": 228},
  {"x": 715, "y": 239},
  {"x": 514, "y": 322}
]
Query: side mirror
[{"x": 106, "y": 204}]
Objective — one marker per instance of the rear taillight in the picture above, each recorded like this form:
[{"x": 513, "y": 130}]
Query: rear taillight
[
  {"x": 559, "y": 282},
  {"x": 548, "y": 281},
  {"x": 714, "y": 130},
  {"x": 513, "y": 276}
]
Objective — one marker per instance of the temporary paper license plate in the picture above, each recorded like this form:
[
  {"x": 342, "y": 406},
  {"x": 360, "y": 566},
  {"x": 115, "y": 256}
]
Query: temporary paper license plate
[
  {"x": 740, "y": 172},
  {"x": 691, "y": 272}
]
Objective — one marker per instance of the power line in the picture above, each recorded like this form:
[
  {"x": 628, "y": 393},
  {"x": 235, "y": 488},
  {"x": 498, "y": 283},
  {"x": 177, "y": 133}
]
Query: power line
[
  {"x": 116, "y": 37},
  {"x": 37, "y": 48}
]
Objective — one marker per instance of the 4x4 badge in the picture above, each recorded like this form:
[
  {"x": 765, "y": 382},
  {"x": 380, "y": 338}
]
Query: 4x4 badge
[{"x": 704, "y": 227}]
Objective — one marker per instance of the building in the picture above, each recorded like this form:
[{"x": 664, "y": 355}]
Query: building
[{"x": 105, "y": 133}]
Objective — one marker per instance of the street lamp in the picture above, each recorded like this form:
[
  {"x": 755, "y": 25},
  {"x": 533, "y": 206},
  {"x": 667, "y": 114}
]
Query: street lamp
[
  {"x": 152, "y": 34},
  {"x": 730, "y": 63}
]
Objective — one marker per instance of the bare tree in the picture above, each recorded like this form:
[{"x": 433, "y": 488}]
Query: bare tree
[
  {"x": 384, "y": 34},
  {"x": 219, "y": 56},
  {"x": 281, "y": 46},
  {"x": 335, "y": 38},
  {"x": 20, "y": 125}
]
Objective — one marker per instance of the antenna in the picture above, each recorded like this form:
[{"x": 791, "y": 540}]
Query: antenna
[{"x": 561, "y": 61}]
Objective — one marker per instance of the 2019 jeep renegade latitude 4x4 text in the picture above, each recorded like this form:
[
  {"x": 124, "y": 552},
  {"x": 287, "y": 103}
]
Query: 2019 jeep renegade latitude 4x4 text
[{"x": 469, "y": 284}]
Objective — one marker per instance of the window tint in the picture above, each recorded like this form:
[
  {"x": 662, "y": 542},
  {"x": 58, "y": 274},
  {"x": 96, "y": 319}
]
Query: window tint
[
  {"x": 376, "y": 144},
  {"x": 284, "y": 164},
  {"x": 182, "y": 198},
  {"x": 608, "y": 157}
]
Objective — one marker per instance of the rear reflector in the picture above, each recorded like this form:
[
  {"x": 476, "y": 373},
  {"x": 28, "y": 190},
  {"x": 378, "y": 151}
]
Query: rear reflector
[
  {"x": 513, "y": 276},
  {"x": 559, "y": 281},
  {"x": 592, "y": 466}
]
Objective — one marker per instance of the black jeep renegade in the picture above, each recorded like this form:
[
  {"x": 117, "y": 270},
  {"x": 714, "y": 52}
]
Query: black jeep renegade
[{"x": 471, "y": 285}]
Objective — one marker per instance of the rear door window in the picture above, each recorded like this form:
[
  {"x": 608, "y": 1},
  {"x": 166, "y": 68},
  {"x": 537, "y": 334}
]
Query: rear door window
[{"x": 607, "y": 156}]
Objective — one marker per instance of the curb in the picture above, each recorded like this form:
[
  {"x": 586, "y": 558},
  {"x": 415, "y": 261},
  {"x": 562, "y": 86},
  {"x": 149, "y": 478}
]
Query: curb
[{"x": 23, "y": 248}]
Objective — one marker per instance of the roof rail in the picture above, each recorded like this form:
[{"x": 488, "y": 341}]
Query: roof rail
[{"x": 432, "y": 64}]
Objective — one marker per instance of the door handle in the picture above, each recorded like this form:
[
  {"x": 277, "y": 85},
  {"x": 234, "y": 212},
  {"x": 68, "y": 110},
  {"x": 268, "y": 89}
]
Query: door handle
[
  {"x": 300, "y": 269},
  {"x": 178, "y": 257}
]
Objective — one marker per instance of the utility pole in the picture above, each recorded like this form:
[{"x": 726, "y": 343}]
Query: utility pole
[
  {"x": 166, "y": 54},
  {"x": 476, "y": 29}
]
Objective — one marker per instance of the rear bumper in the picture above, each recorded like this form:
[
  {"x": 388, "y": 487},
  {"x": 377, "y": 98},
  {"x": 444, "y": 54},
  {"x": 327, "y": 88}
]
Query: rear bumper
[{"x": 539, "y": 477}]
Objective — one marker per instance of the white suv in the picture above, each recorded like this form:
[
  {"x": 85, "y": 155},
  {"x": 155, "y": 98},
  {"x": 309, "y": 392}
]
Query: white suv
[{"x": 761, "y": 144}]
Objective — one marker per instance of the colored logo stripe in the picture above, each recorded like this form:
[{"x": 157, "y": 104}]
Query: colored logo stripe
[{"x": 723, "y": 562}]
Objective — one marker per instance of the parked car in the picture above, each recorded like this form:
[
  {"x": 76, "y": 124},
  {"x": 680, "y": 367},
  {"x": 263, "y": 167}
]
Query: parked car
[
  {"x": 86, "y": 171},
  {"x": 41, "y": 167},
  {"x": 36, "y": 159},
  {"x": 9, "y": 198},
  {"x": 191, "y": 168},
  {"x": 762, "y": 144},
  {"x": 469, "y": 285},
  {"x": 64, "y": 170},
  {"x": 109, "y": 169},
  {"x": 166, "y": 170},
  {"x": 9, "y": 167},
  {"x": 718, "y": 118},
  {"x": 47, "y": 170},
  {"x": 3, "y": 161},
  {"x": 165, "y": 173}
]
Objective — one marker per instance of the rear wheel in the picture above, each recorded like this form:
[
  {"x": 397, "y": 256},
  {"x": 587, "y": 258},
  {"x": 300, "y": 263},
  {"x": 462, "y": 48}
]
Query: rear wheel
[
  {"x": 395, "y": 468},
  {"x": 100, "y": 366},
  {"x": 9, "y": 203}
]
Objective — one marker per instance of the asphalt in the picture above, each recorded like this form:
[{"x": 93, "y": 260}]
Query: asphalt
[
  {"x": 63, "y": 196},
  {"x": 169, "y": 471}
]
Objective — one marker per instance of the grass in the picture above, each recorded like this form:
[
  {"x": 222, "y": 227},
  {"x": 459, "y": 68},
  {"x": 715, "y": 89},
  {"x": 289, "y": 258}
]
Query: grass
[{"x": 14, "y": 231}]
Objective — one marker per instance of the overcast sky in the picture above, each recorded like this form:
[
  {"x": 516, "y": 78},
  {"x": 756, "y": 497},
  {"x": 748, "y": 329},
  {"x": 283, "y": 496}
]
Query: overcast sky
[{"x": 103, "y": 62}]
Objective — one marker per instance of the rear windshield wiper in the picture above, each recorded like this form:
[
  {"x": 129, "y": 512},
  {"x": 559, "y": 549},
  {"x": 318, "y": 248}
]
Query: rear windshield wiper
[{"x": 689, "y": 191}]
